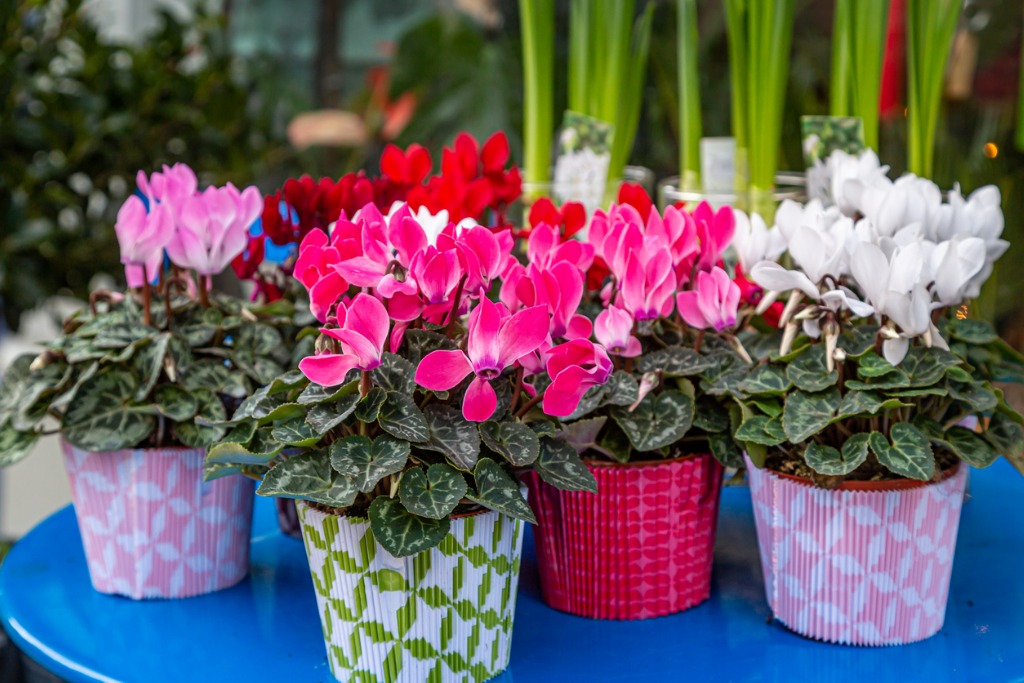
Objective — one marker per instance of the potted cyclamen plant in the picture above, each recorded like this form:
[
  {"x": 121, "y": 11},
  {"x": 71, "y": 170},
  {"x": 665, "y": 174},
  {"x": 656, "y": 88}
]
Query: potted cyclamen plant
[
  {"x": 127, "y": 381},
  {"x": 402, "y": 439},
  {"x": 475, "y": 185},
  {"x": 667, "y": 314},
  {"x": 859, "y": 431}
]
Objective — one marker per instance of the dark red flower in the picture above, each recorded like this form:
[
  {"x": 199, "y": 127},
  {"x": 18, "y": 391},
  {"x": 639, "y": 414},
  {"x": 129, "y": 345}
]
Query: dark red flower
[
  {"x": 751, "y": 294},
  {"x": 407, "y": 168},
  {"x": 636, "y": 196},
  {"x": 248, "y": 262},
  {"x": 570, "y": 219}
]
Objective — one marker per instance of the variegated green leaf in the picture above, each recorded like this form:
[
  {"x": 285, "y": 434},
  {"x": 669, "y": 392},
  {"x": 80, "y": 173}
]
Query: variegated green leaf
[
  {"x": 314, "y": 393},
  {"x": 909, "y": 454},
  {"x": 15, "y": 444},
  {"x": 230, "y": 453},
  {"x": 295, "y": 432},
  {"x": 865, "y": 403},
  {"x": 323, "y": 417},
  {"x": 368, "y": 408},
  {"x": 805, "y": 414},
  {"x": 765, "y": 380},
  {"x": 401, "y": 417},
  {"x": 452, "y": 435},
  {"x": 512, "y": 440},
  {"x": 674, "y": 361},
  {"x": 872, "y": 365},
  {"x": 418, "y": 343},
  {"x": 149, "y": 362},
  {"x": 497, "y": 491},
  {"x": 366, "y": 461},
  {"x": 560, "y": 465},
  {"x": 175, "y": 403},
  {"x": 104, "y": 415},
  {"x": 309, "y": 477},
  {"x": 710, "y": 416},
  {"x": 402, "y": 533},
  {"x": 978, "y": 395},
  {"x": 658, "y": 421},
  {"x": 926, "y": 366},
  {"x": 831, "y": 462},
  {"x": 970, "y": 447},
  {"x": 972, "y": 331},
  {"x": 755, "y": 430},
  {"x": 434, "y": 492},
  {"x": 724, "y": 450},
  {"x": 622, "y": 389},
  {"x": 395, "y": 374},
  {"x": 210, "y": 409},
  {"x": 809, "y": 372}
]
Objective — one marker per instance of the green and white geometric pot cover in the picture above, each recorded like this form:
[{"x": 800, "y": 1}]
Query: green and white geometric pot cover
[{"x": 442, "y": 615}]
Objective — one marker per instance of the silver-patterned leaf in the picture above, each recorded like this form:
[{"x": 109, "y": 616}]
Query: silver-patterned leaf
[
  {"x": 805, "y": 414},
  {"x": 512, "y": 440},
  {"x": 175, "y": 403},
  {"x": 560, "y": 465},
  {"x": 675, "y": 361},
  {"x": 400, "y": 416},
  {"x": 497, "y": 491},
  {"x": 395, "y": 374},
  {"x": 658, "y": 421},
  {"x": 210, "y": 408},
  {"x": 832, "y": 462},
  {"x": 909, "y": 454},
  {"x": 323, "y": 417},
  {"x": 434, "y": 492},
  {"x": 402, "y": 533},
  {"x": 368, "y": 461},
  {"x": 452, "y": 435},
  {"x": 104, "y": 415}
]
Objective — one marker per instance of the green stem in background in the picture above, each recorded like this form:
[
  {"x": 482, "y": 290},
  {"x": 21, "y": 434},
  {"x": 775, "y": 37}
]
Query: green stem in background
[
  {"x": 579, "y": 54},
  {"x": 736, "y": 25},
  {"x": 689, "y": 95},
  {"x": 1020, "y": 101},
  {"x": 930, "y": 28},
  {"x": 630, "y": 100},
  {"x": 841, "y": 83},
  {"x": 770, "y": 32},
  {"x": 871, "y": 23},
  {"x": 538, "y": 25}
]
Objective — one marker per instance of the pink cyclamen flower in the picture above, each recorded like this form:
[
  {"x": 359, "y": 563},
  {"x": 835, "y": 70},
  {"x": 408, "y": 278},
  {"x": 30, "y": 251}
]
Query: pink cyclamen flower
[
  {"x": 715, "y": 230},
  {"x": 142, "y": 237},
  {"x": 574, "y": 367},
  {"x": 171, "y": 187},
  {"x": 213, "y": 228},
  {"x": 362, "y": 332},
  {"x": 314, "y": 268},
  {"x": 648, "y": 285},
  {"x": 614, "y": 329},
  {"x": 712, "y": 303},
  {"x": 496, "y": 341}
]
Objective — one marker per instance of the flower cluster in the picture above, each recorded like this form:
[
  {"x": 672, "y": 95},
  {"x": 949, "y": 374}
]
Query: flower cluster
[
  {"x": 202, "y": 231},
  {"x": 473, "y": 182},
  {"x": 892, "y": 250}
]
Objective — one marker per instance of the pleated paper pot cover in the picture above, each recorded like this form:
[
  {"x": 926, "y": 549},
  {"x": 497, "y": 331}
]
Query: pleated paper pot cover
[
  {"x": 442, "y": 615},
  {"x": 152, "y": 528},
  {"x": 641, "y": 547},
  {"x": 853, "y": 566}
]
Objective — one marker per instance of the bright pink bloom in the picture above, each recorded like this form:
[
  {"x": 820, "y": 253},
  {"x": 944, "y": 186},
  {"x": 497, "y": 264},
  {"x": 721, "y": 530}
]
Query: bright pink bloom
[
  {"x": 715, "y": 230},
  {"x": 437, "y": 274},
  {"x": 314, "y": 268},
  {"x": 362, "y": 332},
  {"x": 712, "y": 303},
  {"x": 496, "y": 340},
  {"x": 559, "y": 287},
  {"x": 614, "y": 329},
  {"x": 213, "y": 228},
  {"x": 171, "y": 187},
  {"x": 574, "y": 367},
  {"x": 545, "y": 248},
  {"x": 142, "y": 237},
  {"x": 482, "y": 253},
  {"x": 648, "y": 286}
]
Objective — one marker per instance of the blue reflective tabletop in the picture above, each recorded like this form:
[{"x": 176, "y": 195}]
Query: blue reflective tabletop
[{"x": 267, "y": 628}]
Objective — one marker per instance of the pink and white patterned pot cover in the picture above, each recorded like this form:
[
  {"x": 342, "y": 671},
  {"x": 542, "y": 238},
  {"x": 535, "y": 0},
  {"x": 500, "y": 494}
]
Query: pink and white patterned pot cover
[
  {"x": 152, "y": 528},
  {"x": 641, "y": 547},
  {"x": 857, "y": 567}
]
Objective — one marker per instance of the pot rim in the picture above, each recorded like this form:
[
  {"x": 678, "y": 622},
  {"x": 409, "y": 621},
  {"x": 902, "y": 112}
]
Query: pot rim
[
  {"x": 591, "y": 462},
  {"x": 144, "y": 449},
  {"x": 903, "y": 484},
  {"x": 357, "y": 518}
]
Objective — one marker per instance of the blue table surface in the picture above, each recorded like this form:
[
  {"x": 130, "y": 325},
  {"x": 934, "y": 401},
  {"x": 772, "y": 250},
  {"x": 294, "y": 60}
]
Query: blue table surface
[{"x": 267, "y": 627}]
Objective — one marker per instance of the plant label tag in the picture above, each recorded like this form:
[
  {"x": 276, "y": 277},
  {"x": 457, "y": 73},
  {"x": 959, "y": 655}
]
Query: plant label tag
[{"x": 582, "y": 161}]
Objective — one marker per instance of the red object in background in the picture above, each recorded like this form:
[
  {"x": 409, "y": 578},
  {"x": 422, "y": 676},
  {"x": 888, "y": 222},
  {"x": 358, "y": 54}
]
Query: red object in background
[
  {"x": 890, "y": 102},
  {"x": 636, "y": 196},
  {"x": 751, "y": 293},
  {"x": 570, "y": 219},
  {"x": 640, "y": 547}
]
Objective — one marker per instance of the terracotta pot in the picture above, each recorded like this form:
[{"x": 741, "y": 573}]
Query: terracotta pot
[
  {"x": 152, "y": 528},
  {"x": 441, "y": 616},
  {"x": 868, "y": 563},
  {"x": 641, "y": 547}
]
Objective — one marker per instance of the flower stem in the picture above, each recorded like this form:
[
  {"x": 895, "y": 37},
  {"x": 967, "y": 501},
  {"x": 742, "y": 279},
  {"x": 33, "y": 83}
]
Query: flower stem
[
  {"x": 529, "y": 404},
  {"x": 147, "y": 315},
  {"x": 204, "y": 296},
  {"x": 454, "y": 313}
]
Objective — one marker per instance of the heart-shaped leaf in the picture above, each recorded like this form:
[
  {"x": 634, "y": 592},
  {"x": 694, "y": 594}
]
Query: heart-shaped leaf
[
  {"x": 582, "y": 434},
  {"x": 418, "y": 343},
  {"x": 710, "y": 415},
  {"x": 926, "y": 366},
  {"x": 831, "y": 462},
  {"x": 104, "y": 415},
  {"x": 433, "y": 493},
  {"x": 865, "y": 403},
  {"x": 395, "y": 374},
  {"x": 872, "y": 365},
  {"x": 14, "y": 444},
  {"x": 805, "y": 414},
  {"x": 622, "y": 389},
  {"x": 175, "y": 403},
  {"x": 452, "y": 435},
  {"x": 199, "y": 432},
  {"x": 368, "y": 408},
  {"x": 972, "y": 331},
  {"x": 513, "y": 440},
  {"x": 970, "y": 447},
  {"x": 674, "y": 361},
  {"x": 402, "y": 533},
  {"x": 401, "y": 417},
  {"x": 496, "y": 490},
  {"x": 309, "y": 477},
  {"x": 909, "y": 455},
  {"x": 724, "y": 450},
  {"x": 560, "y": 465},
  {"x": 296, "y": 432},
  {"x": 810, "y": 372},
  {"x": 658, "y": 421},
  {"x": 366, "y": 461},
  {"x": 755, "y": 430},
  {"x": 978, "y": 395},
  {"x": 324, "y": 417},
  {"x": 314, "y": 393}
]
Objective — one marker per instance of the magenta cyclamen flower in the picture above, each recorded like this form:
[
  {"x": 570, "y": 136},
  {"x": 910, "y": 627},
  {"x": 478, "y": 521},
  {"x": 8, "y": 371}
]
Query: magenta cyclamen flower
[
  {"x": 712, "y": 303},
  {"x": 142, "y": 237},
  {"x": 648, "y": 285},
  {"x": 362, "y": 331},
  {"x": 574, "y": 367},
  {"x": 496, "y": 341},
  {"x": 614, "y": 329},
  {"x": 715, "y": 230},
  {"x": 213, "y": 228},
  {"x": 314, "y": 268}
]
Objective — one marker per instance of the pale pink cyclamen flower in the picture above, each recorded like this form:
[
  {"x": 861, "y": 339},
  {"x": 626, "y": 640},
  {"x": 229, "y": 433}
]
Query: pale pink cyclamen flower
[
  {"x": 496, "y": 340},
  {"x": 614, "y": 330},
  {"x": 213, "y": 228},
  {"x": 712, "y": 303},
  {"x": 362, "y": 332},
  {"x": 574, "y": 367},
  {"x": 142, "y": 237},
  {"x": 170, "y": 187}
]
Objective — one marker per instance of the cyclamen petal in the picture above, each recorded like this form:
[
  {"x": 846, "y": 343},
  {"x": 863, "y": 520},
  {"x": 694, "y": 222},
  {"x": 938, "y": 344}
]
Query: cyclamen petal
[
  {"x": 327, "y": 369},
  {"x": 442, "y": 370},
  {"x": 522, "y": 334},
  {"x": 480, "y": 401}
]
